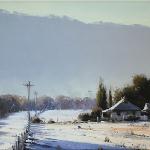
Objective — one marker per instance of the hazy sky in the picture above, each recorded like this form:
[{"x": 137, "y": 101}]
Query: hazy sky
[
  {"x": 116, "y": 11},
  {"x": 122, "y": 12}
]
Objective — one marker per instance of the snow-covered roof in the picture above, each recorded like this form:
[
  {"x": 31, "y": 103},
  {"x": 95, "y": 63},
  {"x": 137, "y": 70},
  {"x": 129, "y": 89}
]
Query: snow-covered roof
[{"x": 123, "y": 105}]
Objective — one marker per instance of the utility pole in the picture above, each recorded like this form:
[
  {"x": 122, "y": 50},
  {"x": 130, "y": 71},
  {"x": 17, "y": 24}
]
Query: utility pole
[
  {"x": 28, "y": 85},
  {"x": 35, "y": 102}
]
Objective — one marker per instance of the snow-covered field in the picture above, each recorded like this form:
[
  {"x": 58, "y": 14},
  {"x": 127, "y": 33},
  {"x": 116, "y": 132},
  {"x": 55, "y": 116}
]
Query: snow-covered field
[
  {"x": 62, "y": 115},
  {"x": 10, "y": 128},
  {"x": 67, "y": 135}
]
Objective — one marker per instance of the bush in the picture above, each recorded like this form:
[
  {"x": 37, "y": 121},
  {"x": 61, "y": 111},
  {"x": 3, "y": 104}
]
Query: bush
[
  {"x": 51, "y": 121},
  {"x": 96, "y": 112},
  {"x": 36, "y": 120},
  {"x": 107, "y": 139},
  {"x": 84, "y": 116}
]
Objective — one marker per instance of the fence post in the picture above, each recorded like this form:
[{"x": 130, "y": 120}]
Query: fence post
[
  {"x": 18, "y": 142},
  {"x": 13, "y": 147},
  {"x": 16, "y": 145}
]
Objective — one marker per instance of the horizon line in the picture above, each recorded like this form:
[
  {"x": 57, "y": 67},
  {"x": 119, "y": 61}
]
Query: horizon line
[{"x": 68, "y": 17}]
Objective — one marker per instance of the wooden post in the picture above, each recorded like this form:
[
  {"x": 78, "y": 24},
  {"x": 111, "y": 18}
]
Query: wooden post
[
  {"x": 18, "y": 142},
  {"x": 16, "y": 145},
  {"x": 13, "y": 147}
]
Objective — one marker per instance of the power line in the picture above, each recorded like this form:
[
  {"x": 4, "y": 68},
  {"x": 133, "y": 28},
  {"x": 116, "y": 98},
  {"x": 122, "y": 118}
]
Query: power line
[
  {"x": 35, "y": 102},
  {"x": 28, "y": 85}
]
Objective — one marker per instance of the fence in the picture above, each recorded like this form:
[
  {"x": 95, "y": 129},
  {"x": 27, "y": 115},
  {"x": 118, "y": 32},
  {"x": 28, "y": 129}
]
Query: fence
[{"x": 21, "y": 140}]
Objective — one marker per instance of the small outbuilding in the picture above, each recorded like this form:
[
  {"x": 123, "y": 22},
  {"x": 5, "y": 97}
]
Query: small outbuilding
[
  {"x": 146, "y": 107},
  {"x": 123, "y": 110},
  {"x": 146, "y": 111}
]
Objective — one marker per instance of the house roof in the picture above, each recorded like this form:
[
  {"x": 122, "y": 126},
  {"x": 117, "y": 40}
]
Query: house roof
[{"x": 123, "y": 105}]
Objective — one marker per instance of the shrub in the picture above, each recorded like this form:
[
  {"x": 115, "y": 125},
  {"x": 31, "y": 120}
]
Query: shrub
[
  {"x": 107, "y": 139},
  {"x": 51, "y": 121},
  {"x": 84, "y": 116},
  {"x": 36, "y": 120},
  {"x": 96, "y": 112}
]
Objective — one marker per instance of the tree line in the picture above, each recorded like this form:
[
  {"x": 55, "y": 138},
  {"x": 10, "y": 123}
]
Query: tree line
[
  {"x": 11, "y": 103},
  {"x": 64, "y": 102},
  {"x": 14, "y": 103}
]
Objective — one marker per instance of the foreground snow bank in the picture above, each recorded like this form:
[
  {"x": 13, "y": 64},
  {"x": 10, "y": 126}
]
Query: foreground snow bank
[
  {"x": 67, "y": 136},
  {"x": 10, "y": 128}
]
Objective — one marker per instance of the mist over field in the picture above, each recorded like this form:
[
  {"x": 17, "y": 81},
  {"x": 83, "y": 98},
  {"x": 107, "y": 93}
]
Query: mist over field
[{"x": 66, "y": 56}]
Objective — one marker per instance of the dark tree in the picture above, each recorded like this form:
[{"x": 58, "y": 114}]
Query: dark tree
[
  {"x": 138, "y": 92},
  {"x": 110, "y": 98},
  {"x": 101, "y": 96}
]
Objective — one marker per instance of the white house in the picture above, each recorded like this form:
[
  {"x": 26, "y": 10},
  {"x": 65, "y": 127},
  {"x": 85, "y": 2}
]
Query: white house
[{"x": 123, "y": 110}]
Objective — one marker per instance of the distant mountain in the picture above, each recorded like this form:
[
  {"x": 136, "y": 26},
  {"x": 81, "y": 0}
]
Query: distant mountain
[{"x": 66, "y": 56}]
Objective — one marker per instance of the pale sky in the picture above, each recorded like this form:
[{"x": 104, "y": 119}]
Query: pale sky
[
  {"x": 116, "y": 11},
  {"x": 121, "y": 12}
]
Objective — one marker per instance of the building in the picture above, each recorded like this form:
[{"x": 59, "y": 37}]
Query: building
[
  {"x": 123, "y": 110},
  {"x": 146, "y": 112},
  {"x": 146, "y": 107}
]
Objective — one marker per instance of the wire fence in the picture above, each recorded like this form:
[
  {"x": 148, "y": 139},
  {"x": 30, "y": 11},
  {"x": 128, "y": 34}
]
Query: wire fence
[{"x": 21, "y": 140}]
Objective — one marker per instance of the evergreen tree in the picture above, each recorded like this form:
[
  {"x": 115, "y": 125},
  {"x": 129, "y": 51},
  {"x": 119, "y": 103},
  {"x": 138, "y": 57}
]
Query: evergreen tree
[
  {"x": 110, "y": 98},
  {"x": 101, "y": 96}
]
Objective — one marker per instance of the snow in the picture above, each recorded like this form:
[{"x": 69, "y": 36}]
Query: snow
[
  {"x": 10, "y": 128},
  {"x": 62, "y": 115},
  {"x": 66, "y": 135}
]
